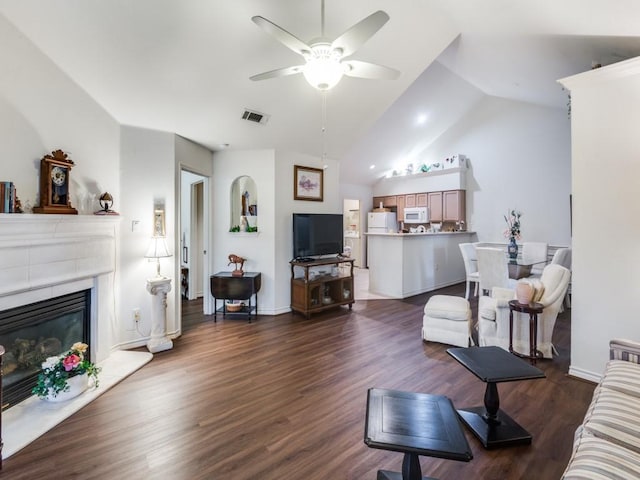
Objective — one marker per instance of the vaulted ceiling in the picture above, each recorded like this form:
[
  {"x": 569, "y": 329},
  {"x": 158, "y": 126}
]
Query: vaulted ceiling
[{"x": 184, "y": 65}]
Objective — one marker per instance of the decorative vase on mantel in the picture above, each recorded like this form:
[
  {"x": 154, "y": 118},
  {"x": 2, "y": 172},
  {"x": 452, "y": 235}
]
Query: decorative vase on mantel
[
  {"x": 77, "y": 385},
  {"x": 512, "y": 248}
]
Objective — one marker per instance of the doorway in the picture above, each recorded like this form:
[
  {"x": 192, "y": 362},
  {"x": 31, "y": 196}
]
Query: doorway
[
  {"x": 352, "y": 231},
  {"x": 194, "y": 239}
]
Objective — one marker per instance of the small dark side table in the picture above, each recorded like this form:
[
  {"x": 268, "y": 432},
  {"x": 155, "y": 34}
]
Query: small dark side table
[
  {"x": 414, "y": 424},
  {"x": 493, "y": 427},
  {"x": 533, "y": 309}
]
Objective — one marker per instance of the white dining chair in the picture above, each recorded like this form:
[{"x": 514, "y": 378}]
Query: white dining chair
[
  {"x": 468, "y": 251},
  {"x": 493, "y": 269},
  {"x": 562, "y": 257},
  {"x": 533, "y": 252}
]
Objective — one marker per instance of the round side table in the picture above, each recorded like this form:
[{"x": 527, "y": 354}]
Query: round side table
[{"x": 533, "y": 309}]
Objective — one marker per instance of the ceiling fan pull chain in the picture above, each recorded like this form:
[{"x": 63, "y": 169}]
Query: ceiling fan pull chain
[{"x": 324, "y": 124}]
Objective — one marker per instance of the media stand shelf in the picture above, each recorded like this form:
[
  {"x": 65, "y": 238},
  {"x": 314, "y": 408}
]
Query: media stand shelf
[{"x": 321, "y": 284}]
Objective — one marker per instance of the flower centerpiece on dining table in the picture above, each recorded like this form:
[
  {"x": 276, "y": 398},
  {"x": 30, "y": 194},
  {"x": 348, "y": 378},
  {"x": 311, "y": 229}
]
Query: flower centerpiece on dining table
[
  {"x": 58, "y": 372},
  {"x": 512, "y": 232}
]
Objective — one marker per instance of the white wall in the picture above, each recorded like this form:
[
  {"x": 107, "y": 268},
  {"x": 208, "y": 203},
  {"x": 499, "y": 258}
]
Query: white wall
[
  {"x": 147, "y": 180},
  {"x": 519, "y": 157},
  {"x": 270, "y": 250},
  {"x": 42, "y": 110},
  {"x": 191, "y": 157},
  {"x": 605, "y": 114},
  {"x": 258, "y": 248}
]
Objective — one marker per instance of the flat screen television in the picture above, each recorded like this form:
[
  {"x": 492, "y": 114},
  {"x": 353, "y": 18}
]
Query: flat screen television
[{"x": 316, "y": 234}]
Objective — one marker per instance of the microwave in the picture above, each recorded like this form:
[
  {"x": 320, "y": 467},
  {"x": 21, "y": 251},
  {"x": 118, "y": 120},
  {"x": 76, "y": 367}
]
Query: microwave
[{"x": 416, "y": 215}]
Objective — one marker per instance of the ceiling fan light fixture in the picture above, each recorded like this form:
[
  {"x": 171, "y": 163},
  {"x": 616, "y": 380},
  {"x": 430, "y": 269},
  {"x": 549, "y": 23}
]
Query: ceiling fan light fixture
[{"x": 323, "y": 69}]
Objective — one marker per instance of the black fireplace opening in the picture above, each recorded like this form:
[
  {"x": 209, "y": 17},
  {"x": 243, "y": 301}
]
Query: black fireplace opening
[{"x": 32, "y": 333}]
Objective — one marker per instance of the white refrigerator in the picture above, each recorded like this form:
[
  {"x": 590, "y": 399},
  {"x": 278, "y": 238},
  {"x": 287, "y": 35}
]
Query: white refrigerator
[{"x": 382, "y": 222}]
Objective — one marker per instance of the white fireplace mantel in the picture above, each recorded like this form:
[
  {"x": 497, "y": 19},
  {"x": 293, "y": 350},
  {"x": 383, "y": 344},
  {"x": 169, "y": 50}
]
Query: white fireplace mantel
[{"x": 45, "y": 256}]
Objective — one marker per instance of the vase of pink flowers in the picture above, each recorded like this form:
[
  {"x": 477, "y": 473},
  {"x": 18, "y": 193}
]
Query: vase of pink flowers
[
  {"x": 67, "y": 375},
  {"x": 512, "y": 232}
]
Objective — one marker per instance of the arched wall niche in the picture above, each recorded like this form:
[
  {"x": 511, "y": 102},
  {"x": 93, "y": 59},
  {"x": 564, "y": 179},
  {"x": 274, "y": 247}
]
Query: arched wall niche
[{"x": 244, "y": 205}]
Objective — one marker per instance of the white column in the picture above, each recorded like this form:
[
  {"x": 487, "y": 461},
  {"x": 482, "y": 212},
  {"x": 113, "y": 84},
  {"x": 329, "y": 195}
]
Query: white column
[{"x": 159, "y": 287}]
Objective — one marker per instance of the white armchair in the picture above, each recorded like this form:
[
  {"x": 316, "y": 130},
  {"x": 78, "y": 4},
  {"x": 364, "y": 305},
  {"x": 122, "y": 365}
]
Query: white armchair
[{"x": 493, "y": 314}]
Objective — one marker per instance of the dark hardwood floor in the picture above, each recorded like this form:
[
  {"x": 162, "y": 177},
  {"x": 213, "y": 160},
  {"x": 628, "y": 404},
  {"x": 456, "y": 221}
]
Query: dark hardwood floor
[{"x": 284, "y": 398}]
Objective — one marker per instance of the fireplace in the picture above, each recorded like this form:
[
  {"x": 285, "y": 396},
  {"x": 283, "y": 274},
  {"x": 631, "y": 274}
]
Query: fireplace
[{"x": 31, "y": 333}]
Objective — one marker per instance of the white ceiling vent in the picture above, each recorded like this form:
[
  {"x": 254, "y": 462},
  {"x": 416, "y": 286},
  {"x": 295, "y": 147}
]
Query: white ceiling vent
[{"x": 256, "y": 117}]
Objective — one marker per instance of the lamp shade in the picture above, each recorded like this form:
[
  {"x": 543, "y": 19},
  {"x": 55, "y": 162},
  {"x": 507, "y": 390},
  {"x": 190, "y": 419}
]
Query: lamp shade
[{"x": 157, "y": 248}]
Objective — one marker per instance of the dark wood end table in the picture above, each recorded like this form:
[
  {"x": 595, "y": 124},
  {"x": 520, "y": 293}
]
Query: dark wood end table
[
  {"x": 493, "y": 427},
  {"x": 226, "y": 286},
  {"x": 533, "y": 309},
  {"x": 414, "y": 424}
]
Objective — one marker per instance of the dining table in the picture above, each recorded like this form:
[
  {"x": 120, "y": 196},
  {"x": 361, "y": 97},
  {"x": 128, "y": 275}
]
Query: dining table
[{"x": 519, "y": 268}]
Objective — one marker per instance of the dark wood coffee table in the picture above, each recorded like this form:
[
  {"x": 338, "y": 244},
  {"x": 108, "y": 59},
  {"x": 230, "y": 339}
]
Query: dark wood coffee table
[
  {"x": 493, "y": 365},
  {"x": 415, "y": 424}
]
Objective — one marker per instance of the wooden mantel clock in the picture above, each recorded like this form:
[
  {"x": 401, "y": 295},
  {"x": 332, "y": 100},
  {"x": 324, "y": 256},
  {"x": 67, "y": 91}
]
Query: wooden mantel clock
[{"x": 54, "y": 184}]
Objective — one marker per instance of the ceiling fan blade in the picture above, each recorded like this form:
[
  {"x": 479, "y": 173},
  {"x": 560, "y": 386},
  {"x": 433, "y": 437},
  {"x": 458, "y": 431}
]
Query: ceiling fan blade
[
  {"x": 287, "y": 39},
  {"x": 356, "y": 68},
  {"x": 362, "y": 31},
  {"x": 280, "y": 72}
]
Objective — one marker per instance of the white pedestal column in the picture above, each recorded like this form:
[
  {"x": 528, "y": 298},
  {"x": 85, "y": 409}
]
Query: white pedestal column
[{"x": 159, "y": 287}]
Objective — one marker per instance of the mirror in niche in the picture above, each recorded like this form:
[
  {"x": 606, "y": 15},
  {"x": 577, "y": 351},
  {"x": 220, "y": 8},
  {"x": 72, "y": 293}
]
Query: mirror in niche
[{"x": 244, "y": 205}]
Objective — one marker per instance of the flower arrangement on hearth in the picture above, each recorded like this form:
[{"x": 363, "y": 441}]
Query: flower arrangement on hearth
[
  {"x": 56, "y": 371},
  {"x": 513, "y": 224}
]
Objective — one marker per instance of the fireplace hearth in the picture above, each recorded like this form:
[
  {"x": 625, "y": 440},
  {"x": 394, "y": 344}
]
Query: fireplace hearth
[{"x": 31, "y": 333}]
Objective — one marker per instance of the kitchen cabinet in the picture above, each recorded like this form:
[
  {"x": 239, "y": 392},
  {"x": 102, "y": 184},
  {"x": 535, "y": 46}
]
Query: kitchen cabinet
[
  {"x": 414, "y": 199},
  {"x": 454, "y": 206},
  {"x": 434, "y": 203},
  {"x": 388, "y": 201},
  {"x": 446, "y": 206},
  {"x": 401, "y": 202},
  {"x": 410, "y": 200}
]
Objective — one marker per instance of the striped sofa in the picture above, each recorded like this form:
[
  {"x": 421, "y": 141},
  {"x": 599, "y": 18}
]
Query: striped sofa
[{"x": 607, "y": 444}]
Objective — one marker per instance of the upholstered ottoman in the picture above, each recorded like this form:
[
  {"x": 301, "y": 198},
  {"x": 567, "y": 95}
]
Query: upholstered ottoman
[{"x": 447, "y": 319}]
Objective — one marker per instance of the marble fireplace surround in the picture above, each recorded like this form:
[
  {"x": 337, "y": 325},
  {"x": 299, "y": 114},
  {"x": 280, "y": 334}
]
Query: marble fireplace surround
[{"x": 45, "y": 256}]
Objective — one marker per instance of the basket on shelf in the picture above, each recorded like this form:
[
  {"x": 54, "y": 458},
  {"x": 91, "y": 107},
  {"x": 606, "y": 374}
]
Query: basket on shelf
[{"x": 234, "y": 306}]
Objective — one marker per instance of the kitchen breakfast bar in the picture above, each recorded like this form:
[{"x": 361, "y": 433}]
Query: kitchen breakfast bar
[{"x": 406, "y": 264}]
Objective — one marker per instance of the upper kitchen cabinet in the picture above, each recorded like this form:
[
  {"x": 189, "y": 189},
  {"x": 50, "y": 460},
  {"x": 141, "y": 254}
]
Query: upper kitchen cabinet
[
  {"x": 454, "y": 206},
  {"x": 401, "y": 202},
  {"x": 414, "y": 200},
  {"x": 410, "y": 200},
  {"x": 388, "y": 201},
  {"x": 434, "y": 203}
]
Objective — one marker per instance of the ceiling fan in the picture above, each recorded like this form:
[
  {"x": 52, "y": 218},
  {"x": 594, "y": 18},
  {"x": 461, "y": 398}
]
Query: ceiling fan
[{"x": 325, "y": 59}]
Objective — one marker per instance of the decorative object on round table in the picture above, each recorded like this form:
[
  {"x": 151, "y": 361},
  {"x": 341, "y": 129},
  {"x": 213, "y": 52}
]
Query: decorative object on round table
[
  {"x": 524, "y": 292},
  {"x": 512, "y": 232},
  {"x": 512, "y": 248},
  {"x": 237, "y": 260}
]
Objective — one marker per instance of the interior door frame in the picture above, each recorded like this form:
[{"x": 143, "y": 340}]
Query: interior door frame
[{"x": 207, "y": 301}]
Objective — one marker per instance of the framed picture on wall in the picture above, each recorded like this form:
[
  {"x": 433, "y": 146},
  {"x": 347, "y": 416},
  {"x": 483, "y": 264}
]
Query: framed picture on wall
[
  {"x": 158, "y": 223},
  {"x": 308, "y": 183}
]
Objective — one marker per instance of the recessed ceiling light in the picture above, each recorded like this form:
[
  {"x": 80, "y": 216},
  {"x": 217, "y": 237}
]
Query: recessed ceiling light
[
  {"x": 223, "y": 145},
  {"x": 422, "y": 119},
  {"x": 372, "y": 167}
]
